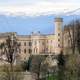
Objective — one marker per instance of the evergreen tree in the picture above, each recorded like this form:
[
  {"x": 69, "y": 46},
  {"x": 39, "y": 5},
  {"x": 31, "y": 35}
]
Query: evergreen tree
[{"x": 29, "y": 63}]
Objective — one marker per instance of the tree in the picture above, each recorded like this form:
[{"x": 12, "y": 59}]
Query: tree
[
  {"x": 36, "y": 63},
  {"x": 78, "y": 35},
  {"x": 26, "y": 65},
  {"x": 29, "y": 63},
  {"x": 10, "y": 48},
  {"x": 73, "y": 30},
  {"x": 61, "y": 66},
  {"x": 72, "y": 70}
]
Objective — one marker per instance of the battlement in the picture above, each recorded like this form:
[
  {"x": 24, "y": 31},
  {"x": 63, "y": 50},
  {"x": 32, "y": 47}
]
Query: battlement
[{"x": 58, "y": 19}]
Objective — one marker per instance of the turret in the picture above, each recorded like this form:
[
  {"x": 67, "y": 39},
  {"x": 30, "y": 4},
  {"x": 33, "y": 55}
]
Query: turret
[{"x": 58, "y": 34}]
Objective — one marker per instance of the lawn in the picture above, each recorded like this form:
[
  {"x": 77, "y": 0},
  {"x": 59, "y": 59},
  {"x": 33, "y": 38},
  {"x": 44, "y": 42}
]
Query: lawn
[{"x": 52, "y": 77}]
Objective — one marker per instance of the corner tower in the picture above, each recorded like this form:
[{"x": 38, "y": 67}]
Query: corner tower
[{"x": 58, "y": 34}]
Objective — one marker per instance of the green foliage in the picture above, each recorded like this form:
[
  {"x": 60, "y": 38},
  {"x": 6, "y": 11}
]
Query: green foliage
[
  {"x": 54, "y": 77},
  {"x": 29, "y": 63},
  {"x": 51, "y": 77}
]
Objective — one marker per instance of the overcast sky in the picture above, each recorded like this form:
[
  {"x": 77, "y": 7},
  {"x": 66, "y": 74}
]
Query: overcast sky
[{"x": 37, "y": 7}]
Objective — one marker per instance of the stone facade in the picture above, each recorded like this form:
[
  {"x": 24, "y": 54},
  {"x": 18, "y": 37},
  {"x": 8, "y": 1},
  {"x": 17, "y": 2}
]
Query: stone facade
[{"x": 36, "y": 43}]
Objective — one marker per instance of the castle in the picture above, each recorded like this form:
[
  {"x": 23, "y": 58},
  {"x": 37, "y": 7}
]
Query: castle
[{"x": 37, "y": 43}]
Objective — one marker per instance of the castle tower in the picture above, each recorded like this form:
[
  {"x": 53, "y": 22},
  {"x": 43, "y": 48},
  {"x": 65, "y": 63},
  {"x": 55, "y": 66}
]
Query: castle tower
[{"x": 58, "y": 34}]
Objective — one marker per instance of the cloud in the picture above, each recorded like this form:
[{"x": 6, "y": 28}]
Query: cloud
[{"x": 39, "y": 8}]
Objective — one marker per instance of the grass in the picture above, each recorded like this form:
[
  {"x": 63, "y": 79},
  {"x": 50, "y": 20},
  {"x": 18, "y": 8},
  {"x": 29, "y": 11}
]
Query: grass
[{"x": 52, "y": 77}]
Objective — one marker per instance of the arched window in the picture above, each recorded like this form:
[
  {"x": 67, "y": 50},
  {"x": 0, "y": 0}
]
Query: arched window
[{"x": 35, "y": 50}]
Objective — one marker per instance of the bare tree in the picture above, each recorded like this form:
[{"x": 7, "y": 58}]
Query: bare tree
[
  {"x": 61, "y": 66},
  {"x": 72, "y": 67},
  {"x": 78, "y": 35},
  {"x": 10, "y": 48},
  {"x": 73, "y": 29},
  {"x": 36, "y": 63}
]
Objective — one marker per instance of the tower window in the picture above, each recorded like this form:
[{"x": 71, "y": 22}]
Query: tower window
[
  {"x": 58, "y": 39},
  {"x": 58, "y": 45},
  {"x": 58, "y": 34}
]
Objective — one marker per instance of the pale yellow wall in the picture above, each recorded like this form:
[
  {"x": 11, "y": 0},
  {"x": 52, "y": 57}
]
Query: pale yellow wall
[
  {"x": 58, "y": 34},
  {"x": 44, "y": 43},
  {"x": 51, "y": 43},
  {"x": 22, "y": 41}
]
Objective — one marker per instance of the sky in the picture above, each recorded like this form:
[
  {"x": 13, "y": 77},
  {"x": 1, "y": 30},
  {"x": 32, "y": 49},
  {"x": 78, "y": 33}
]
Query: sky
[{"x": 26, "y": 16}]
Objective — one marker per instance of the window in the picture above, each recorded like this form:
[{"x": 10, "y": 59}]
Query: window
[
  {"x": 19, "y": 50},
  {"x": 30, "y": 51},
  {"x": 35, "y": 50},
  {"x": 58, "y": 34},
  {"x": 51, "y": 41},
  {"x": 30, "y": 44},
  {"x": 58, "y": 45},
  {"x": 25, "y": 58},
  {"x": 59, "y": 27},
  {"x": 42, "y": 43},
  {"x": 58, "y": 39},
  {"x": 19, "y": 43},
  {"x": 46, "y": 49},
  {"x": 35, "y": 42},
  {"x": 24, "y": 50},
  {"x": 46, "y": 41},
  {"x": 24, "y": 43}
]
